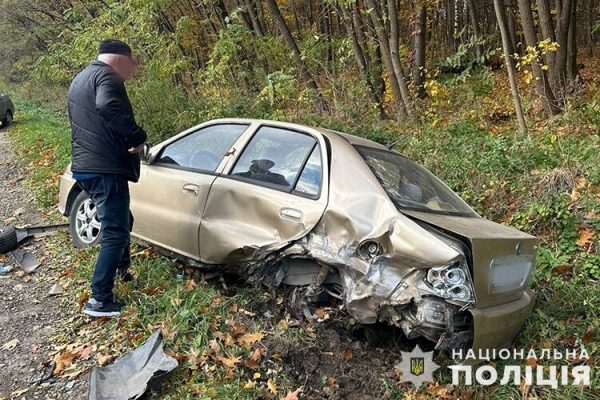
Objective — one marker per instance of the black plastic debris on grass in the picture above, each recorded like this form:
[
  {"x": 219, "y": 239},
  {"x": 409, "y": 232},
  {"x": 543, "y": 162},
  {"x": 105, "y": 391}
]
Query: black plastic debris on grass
[{"x": 130, "y": 377}]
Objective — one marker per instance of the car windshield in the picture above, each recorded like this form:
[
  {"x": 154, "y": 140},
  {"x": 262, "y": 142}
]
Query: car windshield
[{"x": 411, "y": 186}]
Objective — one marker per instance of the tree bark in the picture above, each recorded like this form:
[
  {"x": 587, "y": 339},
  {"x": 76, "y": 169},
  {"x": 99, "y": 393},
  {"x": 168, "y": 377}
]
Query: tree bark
[
  {"x": 361, "y": 58},
  {"x": 420, "y": 48},
  {"x": 254, "y": 17},
  {"x": 472, "y": 8},
  {"x": 305, "y": 74},
  {"x": 572, "y": 70},
  {"x": 547, "y": 28},
  {"x": 395, "y": 54},
  {"x": 510, "y": 63},
  {"x": 562, "y": 37},
  {"x": 540, "y": 77},
  {"x": 387, "y": 57}
]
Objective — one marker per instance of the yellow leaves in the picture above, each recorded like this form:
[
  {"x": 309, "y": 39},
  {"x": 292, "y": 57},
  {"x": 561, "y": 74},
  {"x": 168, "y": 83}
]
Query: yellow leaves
[
  {"x": 546, "y": 46},
  {"x": 175, "y": 301},
  {"x": 433, "y": 87},
  {"x": 272, "y": 386},
  {"x": 528, "y": 76},
  {"x": 190, "y": 284},
  {"x": 249, "y": 385}
]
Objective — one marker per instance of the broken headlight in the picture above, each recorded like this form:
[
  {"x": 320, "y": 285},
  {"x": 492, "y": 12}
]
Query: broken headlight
[{"x": 452, "y": 282}]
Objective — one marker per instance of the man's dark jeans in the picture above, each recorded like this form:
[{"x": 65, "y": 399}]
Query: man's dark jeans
[{"x": 110, "y": 194}]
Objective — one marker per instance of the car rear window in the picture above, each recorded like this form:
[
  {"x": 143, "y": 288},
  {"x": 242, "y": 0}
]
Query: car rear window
[{"x": 410, "y": 186}]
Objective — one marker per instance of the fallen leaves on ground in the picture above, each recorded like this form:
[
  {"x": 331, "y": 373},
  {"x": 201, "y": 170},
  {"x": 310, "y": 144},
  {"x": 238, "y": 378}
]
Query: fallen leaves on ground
[
  {"x": 585, "y": 237},
  {"x": 63, "y": 360},
  {"x": 10, "y": 345},
  {"x": 229, "y": 362},
  {"x": 104, "y": 359},
  {"x": 272, "y": 386},
  {"x": 248, "y": 339},
  {"x": 293, "y": 395}
]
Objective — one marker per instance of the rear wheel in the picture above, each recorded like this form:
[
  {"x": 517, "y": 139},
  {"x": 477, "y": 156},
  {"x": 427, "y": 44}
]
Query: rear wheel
[
  {"x": 8, "y": 119},
  {"x": 84, "y": 224}
]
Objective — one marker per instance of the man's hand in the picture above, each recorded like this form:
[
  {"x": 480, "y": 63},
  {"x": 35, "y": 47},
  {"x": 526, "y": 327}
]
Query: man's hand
[{"x": 135, "y": 150}]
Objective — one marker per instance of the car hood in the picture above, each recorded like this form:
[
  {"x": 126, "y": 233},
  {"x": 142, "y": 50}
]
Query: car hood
[{"x": 488, "y": 241}]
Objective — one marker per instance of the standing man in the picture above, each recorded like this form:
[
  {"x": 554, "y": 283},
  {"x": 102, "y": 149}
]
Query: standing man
[{"x": 105, "y": 146}]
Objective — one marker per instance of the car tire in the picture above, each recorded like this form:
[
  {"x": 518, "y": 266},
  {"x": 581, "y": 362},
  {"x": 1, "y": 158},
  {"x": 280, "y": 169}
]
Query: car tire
[
  {"x": 84, "y": 225},
  {"x": 8, "y": 119},
  {"x": 8, "y": 239}
]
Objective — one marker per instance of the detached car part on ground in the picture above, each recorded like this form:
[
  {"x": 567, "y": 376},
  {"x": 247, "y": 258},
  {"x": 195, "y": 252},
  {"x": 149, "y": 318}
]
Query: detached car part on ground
[
  {"x": 329, "y": 213},
  {"x": 7, "y": 111}
]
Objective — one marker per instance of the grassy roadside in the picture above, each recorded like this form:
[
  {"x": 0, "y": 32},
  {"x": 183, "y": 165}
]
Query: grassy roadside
[
  {"x": 546, "y": 184},
  {"x": 202, "y": 323}
]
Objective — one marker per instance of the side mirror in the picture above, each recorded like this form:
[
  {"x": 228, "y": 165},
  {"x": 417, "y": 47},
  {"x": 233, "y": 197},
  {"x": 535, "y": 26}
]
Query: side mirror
[{"x": 145, "y": 153}]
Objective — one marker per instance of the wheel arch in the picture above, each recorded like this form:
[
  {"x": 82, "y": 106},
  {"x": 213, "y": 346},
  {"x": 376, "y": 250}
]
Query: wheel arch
[{"x": 73, "y": 193}]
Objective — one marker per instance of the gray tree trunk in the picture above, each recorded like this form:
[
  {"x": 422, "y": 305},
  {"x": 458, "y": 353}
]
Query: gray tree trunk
[
  {"x": 473, "y": 16},
  {"x": 510, "y": 63},
  {"x": 540, "y": 77},
  {"x": 420, "y": 48},
  {"x": 387, "y": 57},
  {"x": 305, "y": 74}
]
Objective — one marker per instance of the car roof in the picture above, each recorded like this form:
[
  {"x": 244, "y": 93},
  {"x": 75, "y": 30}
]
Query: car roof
[{"x": 351, "y": 139}]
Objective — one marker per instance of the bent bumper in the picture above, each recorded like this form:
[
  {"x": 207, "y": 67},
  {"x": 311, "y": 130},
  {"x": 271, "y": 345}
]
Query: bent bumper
[
  {"x": 496, "y": 327},
  {"x": 66, "y": 185}
]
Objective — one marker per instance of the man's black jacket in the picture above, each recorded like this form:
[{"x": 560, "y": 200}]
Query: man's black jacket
[{"x": 102, "y": 124}]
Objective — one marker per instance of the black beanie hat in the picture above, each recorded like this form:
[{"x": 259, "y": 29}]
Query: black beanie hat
[{"x": 113, "y": 46}]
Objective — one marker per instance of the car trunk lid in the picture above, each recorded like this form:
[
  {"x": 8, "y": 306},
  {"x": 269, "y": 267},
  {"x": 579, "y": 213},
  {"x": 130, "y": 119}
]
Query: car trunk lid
[{"x": 493, "y": 246}]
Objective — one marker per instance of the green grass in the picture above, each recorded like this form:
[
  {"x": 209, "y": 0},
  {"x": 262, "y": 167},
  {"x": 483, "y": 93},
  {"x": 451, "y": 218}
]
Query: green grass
[
  {"x": 42, "y": 139},
  {"x": 546, "y": 184}
]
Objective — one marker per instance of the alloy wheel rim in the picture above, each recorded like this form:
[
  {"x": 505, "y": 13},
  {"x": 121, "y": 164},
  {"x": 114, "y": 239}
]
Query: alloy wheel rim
[{"x": 87, "y": 224}]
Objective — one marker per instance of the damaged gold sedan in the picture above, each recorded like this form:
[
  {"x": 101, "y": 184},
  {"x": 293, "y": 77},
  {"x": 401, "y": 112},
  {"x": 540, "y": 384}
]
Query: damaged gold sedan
[{"x": 327, "y": 212}]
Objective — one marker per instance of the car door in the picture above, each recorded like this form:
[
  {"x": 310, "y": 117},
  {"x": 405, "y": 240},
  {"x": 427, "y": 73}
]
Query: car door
[
  {"x": 168, "y": 201},
  {"x": 274, "y": 192}
]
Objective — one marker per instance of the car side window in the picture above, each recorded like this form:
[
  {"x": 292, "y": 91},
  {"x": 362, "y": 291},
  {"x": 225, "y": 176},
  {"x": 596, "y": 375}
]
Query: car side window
[
  {"x": 274, "y": 156},
  {"x": 204, "y": 149},
  {"x": 309, "y": 182}
]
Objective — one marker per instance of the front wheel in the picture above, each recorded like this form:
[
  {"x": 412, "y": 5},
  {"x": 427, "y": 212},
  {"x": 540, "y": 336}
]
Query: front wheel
[{"x": 84, "y": 224}]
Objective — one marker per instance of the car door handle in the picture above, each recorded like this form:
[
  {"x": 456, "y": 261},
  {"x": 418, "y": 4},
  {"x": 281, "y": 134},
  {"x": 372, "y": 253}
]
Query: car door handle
[
  {"x": 291, "y": 214},
  {"x": 190, "y": 188}
]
